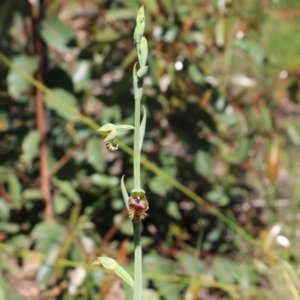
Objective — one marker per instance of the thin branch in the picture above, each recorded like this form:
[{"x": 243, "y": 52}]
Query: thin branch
[
  {"x": 36, "y": 15},
  {"x": 67, "y": 157}
]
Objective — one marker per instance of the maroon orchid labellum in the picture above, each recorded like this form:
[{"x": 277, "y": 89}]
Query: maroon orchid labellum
[{"x": 138, "y": 205}]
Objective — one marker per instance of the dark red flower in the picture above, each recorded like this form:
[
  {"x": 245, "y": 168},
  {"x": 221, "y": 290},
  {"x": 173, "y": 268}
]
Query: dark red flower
[{"x": 138, "y": 206}]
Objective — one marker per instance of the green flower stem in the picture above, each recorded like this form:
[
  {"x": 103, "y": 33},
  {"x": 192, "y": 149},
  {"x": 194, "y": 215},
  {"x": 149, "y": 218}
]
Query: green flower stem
[
  {"x": 138, "y": 92},
  {"x": 138, "y": 271},
  {"x": 136, "y": 147},
  {"x": 137, "y": 183}
]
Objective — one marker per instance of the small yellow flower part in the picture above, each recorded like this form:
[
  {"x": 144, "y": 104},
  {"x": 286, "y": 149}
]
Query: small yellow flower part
[
  {"x": 138, "y": 205},
  {"x": 111, "y": 147}
]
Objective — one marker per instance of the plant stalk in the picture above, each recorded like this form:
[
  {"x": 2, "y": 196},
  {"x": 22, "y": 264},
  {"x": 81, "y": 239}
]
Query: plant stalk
[
  {"x": 142, "y": 52},
  {"x": 41, "y": 119},
  {"x": 138, "y": 271},
  {"x": 137, "y": 288},
  {"x": 136, "y": 147}
]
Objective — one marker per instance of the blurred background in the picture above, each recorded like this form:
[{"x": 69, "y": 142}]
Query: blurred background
[{"x": 222, "y": 98}]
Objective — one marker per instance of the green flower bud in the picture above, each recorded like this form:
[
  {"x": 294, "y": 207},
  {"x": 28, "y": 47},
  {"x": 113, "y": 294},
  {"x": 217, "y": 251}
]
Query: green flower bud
[
  {"x": 140, "y": 25},
  {"x": 142, "y": 72},
  {"x": 109, "y": 132},
  {"x": 143, "y": 52},
  {"x": 106, "y": 129}
]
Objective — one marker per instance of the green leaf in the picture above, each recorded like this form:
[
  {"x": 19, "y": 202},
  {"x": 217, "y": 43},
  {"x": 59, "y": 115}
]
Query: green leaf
[
  {"x": 104, "y": 180},
  {"x": 149, "y": 294},
  {"x": 67, "y": 189},
  {"x": 126, "y": 228},
  {"x": 250, "y": 48},
  {"x": 47, "y": 234},
  {"x": 32, "y": 194},
  {"x": 15, "y": 190},
  {"x": 30, "y": 147},
  {"x": 56, "y": 34},
  {"x": 81, "y": 75},
  {"x": 242, "y": 150},
  {"x": 66, "y": 97},
  {"x": 61, "y": 204},
  {"x": 9, "y": 227},
  {"x": 119, "y": 14},
  {"x": 266, "y": 117},
  {"x": 5, "y": 210},
  {"x": 159, "y": 186},
  {"x": 94, "y": 154},
  {"x": 195, "y": 74},
  {"x": 190, "y": 264},
  {"x": 293, "y": 132},
  {"x": 151, "y": 6},
  {"x": 111, "y": 114},
  {"x": 203, "y": 163},
  {"x": 17, "y": 84},
  {"x": 221, "y": 270},
  {"x": 218, "y": 196},
  {"x": 108, "y": 35},
  {"x": 172, "y": 210},
  {"x": 47, "y": 267},
  {"x": 167, "y": 290},
  {"x": 214, "y": 235}
]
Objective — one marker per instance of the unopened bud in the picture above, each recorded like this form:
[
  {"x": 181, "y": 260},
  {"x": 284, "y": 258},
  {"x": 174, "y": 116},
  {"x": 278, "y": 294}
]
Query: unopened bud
[
  {"x": 107, "y": 129},
  {"x": 109, "y": 132}
]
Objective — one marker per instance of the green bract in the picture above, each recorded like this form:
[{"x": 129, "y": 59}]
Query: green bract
[{"x": 121, "y": 128}]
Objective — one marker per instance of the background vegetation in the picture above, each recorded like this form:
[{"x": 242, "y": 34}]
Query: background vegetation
[{"x": 220, "y": 166}]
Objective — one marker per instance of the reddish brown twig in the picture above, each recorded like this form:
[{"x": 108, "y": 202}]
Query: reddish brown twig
[
  {"x": 36, "y": 15},
  {"x": 67, "y": 157},
  {"x": 114, "y": 229}
]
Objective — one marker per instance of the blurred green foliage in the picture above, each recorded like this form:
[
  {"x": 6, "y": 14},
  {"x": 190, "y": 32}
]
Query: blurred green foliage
[{"x": 222, "y": 103}]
